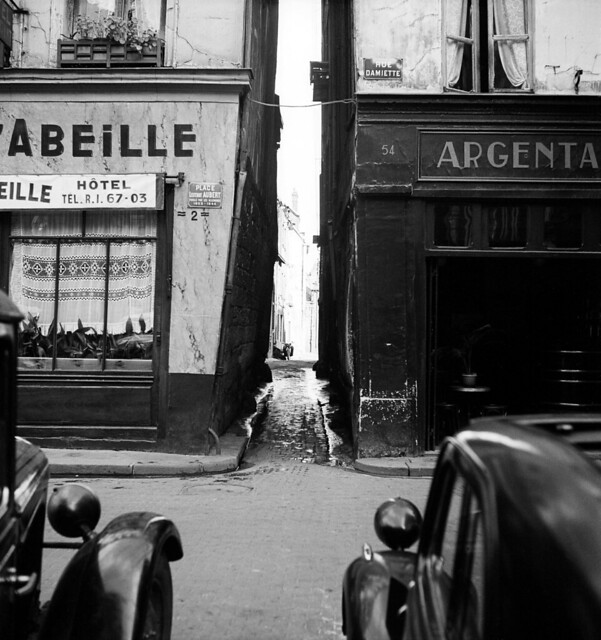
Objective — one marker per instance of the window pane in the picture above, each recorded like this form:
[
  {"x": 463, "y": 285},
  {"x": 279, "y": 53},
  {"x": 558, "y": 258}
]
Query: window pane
[
  {"x": 451, "y": 530},
  {"x": 77, "y": 268},
  {"x": 459, "y": 53},
  {"x": 510, "y": 65},
  {"x": 56, "y": 224},
  {"x": 142, "y": 224},
  {"x": 445, "y": 565},
  {"x": 148, "y": 13},
  {"x": 131, "y": 304},
  {"x": 507, "y": 226},
  {"x": 563, "y": 228},
  {"x": 511, "y": 55},
  {"x": 453, "y": 225},
  {"x": 476, "y": 551},
  {"x": 32, "y": 287},
  {"x": 82, "y": 269}
]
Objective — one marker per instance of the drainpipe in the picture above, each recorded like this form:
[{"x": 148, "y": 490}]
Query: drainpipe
[{"x": 227, "y": 302}]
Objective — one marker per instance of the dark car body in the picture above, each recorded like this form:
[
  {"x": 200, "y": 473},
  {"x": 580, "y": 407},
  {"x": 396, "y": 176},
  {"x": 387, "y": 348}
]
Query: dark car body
[
  {"x": 118, "y": 583},
  {"x": 510, "y": 545}
]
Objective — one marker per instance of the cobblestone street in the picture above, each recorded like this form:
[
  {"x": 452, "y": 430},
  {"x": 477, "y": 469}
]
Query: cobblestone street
[
  {"x": 265, "y": 547},
  {"x": 305, "y": 421}
]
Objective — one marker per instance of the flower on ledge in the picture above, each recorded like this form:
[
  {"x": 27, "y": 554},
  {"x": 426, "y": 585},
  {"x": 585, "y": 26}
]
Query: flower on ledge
[{"x": 128, "y": 31}]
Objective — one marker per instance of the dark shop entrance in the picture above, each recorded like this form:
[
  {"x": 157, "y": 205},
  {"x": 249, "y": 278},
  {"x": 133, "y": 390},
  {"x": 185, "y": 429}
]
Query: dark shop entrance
[{"x": 528, "y": 326}]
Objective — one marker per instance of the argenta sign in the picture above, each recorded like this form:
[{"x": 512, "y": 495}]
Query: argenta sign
[{"x": 505, "y": 156}]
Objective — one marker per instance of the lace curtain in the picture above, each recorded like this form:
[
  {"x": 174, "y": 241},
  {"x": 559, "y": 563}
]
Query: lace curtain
[{"x": 82, "y": 269}]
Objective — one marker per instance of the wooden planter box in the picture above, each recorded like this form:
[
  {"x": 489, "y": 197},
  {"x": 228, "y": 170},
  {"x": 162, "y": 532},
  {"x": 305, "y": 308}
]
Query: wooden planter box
[{"x": 106, "y": 53}]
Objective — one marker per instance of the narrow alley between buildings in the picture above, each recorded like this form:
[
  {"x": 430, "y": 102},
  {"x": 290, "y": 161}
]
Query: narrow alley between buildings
[{"x": 304, "y": 419}]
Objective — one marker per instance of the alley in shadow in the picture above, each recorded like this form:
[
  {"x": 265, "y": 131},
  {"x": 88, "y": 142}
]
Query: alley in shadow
[{"x": 304, "y": 419}]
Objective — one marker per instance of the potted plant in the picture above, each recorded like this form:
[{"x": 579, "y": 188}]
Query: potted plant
[
  {"x": 463, "y": 353},
  {"x": 110, "y": 41}
]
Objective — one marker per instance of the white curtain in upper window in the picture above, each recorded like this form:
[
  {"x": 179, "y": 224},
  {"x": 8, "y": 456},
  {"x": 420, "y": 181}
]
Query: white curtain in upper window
[
  {"x": 510, "y": 19},
  {"x": 456, "y": 25}
]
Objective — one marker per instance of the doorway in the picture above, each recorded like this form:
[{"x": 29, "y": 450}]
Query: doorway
[{"x": 528, "y": 326}]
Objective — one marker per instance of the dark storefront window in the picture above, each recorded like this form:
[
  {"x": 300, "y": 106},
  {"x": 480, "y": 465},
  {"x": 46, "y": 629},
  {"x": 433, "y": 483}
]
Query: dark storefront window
[
  {"x": 562, "y": 228},
  {"x": 519, "y": 307},
  {"x": 453, "y": 225},
  {"x": 86, "y": 285},
  {"x": 507, "y": 226},
  {"x": 513, "y": 226}
]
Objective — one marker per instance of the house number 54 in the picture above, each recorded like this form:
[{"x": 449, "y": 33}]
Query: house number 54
[{"x": 388, "y": 150}]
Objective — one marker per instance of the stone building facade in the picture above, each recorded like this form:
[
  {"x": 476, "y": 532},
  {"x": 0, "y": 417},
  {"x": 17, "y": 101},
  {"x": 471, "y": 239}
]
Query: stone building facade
[
  {"x": 460, "y": 212},
  {"x": 138, "y": 215}
]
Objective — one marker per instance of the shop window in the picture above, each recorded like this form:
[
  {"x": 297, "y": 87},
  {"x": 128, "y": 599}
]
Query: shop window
[
  {"x": 562, "y": 228},
  {"x": 86, "y": 285},
  {"x": 507, "y": 226},
  {"x": 487, "y": 45},
  {"x": 453, "y": 225}
]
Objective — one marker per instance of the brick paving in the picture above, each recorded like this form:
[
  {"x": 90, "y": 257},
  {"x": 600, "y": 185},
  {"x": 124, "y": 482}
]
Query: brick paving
[{"x": 265, "y": 546}]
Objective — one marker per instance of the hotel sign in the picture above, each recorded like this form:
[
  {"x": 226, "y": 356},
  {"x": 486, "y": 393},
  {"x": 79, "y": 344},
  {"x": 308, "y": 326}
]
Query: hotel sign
[
  {"x": 46, "y": 192},
  {"x": 509, "y": 156}
]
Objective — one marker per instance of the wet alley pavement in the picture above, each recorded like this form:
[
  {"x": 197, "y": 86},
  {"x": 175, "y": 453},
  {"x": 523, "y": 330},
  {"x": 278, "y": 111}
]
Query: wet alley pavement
[{"x": 304, "y": 420}]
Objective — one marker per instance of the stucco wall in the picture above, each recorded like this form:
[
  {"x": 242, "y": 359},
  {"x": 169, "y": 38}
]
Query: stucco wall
[
  {"x": 403, "y": 29},
  {"x": 566, "y": 36},
  {"x": 207, "y": 34},
  {"x": 200, "y": 243}
]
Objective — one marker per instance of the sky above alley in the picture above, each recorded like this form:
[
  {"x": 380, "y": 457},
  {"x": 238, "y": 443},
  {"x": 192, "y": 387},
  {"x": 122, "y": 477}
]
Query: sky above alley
[{"x": 299, "y": 42}]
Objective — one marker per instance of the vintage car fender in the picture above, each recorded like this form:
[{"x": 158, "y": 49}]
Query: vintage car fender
[
  {"x": 101, "y": 591},
  {"x": 374, "y": 594}
]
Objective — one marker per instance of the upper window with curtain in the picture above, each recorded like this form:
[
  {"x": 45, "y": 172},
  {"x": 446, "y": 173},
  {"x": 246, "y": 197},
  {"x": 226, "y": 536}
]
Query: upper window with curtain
[
  {"x": 487, "y": 45},
  {"x": 149, "y": 13}
]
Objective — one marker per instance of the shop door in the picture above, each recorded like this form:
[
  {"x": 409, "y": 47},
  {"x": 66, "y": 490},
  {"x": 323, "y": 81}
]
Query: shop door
[{"x": 530, "y": 328}]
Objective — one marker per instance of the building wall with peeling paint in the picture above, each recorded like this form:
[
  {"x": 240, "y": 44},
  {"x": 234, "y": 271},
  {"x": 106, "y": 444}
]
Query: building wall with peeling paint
[
  {"x": 207, "y": 34},
  {"x": 413, "y": 32},
  {"x": 220, "y": 260},
  {"x": 380, "y": 203}
]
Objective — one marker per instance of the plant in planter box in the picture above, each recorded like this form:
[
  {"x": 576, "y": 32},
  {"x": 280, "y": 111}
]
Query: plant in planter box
[
  {"x": 32, "y": 343},
  {"x": 127, "y": 32},
  {"x": 131, "y": 345}
]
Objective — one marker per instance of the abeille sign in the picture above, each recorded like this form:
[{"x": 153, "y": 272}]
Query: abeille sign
[
  {"x": 509, "y": 156},
  {"x": 84, "y": 140}
]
